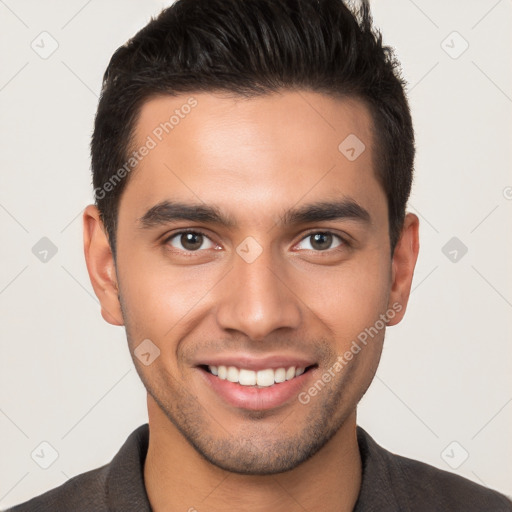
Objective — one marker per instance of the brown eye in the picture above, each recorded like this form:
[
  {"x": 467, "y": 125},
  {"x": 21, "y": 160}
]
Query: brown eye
[
  {"x": 321, "y": 241},
  {"x": 191, "y": 241}
]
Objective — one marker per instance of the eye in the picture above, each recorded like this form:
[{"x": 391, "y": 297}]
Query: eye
[
  {"x": 190, "y": 241},
  {"x": 321, "y": 241}
]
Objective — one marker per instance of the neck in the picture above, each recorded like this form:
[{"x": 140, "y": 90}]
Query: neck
[{"x": 178, "y": 478}]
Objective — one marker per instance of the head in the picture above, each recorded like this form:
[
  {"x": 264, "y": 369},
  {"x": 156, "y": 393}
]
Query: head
[{"x": 277, "y": 135}]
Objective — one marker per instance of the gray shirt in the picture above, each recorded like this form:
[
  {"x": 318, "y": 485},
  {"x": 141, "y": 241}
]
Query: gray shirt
[{"x": 390, "y": 483}]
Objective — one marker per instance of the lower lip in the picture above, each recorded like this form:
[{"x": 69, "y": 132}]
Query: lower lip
[{"x": 254, "y": 398}]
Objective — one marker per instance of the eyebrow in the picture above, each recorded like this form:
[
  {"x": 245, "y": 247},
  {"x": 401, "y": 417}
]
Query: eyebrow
[{"x": 167, "y": 211}]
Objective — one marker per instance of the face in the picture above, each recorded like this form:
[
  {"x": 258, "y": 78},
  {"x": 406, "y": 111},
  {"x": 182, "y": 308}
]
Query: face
[{"x": 253, "y": 257}]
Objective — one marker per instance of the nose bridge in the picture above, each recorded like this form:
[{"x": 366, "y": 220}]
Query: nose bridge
[{"x": 255, "y": 300}]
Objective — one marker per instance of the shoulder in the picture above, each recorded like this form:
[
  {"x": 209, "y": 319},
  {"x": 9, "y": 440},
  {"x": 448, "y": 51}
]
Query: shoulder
[
  {"x": 445, "y": 490},
  {"x": 416, "y": 486},
  {"x": 117, "y": 485},
  {"x": 84, "y": 492}
]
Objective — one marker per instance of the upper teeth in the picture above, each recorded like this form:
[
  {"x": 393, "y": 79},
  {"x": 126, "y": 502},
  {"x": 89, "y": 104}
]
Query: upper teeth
[{"x": 251, "y": 378}]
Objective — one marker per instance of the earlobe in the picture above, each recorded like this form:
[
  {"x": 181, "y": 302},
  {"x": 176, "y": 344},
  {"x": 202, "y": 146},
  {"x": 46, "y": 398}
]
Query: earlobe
[
  {"x": 101, "y": 267},
  {"x": 403, "y": 263}
]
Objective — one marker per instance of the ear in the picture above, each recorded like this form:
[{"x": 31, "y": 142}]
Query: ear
[
  {"x": 101, "y": 267},
  {"x": 403, "y": 263}
]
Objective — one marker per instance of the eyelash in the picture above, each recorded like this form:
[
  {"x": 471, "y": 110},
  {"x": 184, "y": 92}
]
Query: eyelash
[{"x": 344, "y": 241}]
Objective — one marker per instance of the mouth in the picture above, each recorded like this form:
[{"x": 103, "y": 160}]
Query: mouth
[
  {"x": 260, "y": 379},
  {"x": 262, "y": 387}
]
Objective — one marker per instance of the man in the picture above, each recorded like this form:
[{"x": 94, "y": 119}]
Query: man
[{"x": 252, "y": 162}]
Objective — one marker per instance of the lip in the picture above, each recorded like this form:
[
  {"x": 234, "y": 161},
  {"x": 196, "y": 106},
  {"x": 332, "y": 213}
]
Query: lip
[
  {"x": 256, "y": 363},
  {"x": 254, "y": 398}
]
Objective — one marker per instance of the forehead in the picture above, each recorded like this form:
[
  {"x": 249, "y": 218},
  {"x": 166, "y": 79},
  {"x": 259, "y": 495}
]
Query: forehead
[{"x": 258, "y": 154}]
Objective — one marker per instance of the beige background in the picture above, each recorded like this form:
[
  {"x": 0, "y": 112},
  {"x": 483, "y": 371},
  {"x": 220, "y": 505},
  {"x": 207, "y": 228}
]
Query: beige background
[{"x": 444, "y": 387}]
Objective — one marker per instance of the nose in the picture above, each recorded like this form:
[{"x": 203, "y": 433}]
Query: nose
[{"x": 257, "y": 300}]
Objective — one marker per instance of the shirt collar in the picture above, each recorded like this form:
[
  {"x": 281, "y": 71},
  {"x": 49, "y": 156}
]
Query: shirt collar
[
  {"x": 126, "y": 491},
  {"x": 379, "y": 490},
  {"x": 125, "y": 481}
]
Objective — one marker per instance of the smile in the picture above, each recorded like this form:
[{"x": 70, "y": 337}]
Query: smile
[
  {"x": 267, "y": 385},
  {"x": 261, "y": 378}
]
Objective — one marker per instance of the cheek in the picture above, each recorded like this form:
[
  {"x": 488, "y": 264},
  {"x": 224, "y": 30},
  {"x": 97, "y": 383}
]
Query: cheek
[
  {"x": 161, "y": 301},
  {"x": 350, "y": 298},
  {"x": 158, "y": 297}
]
